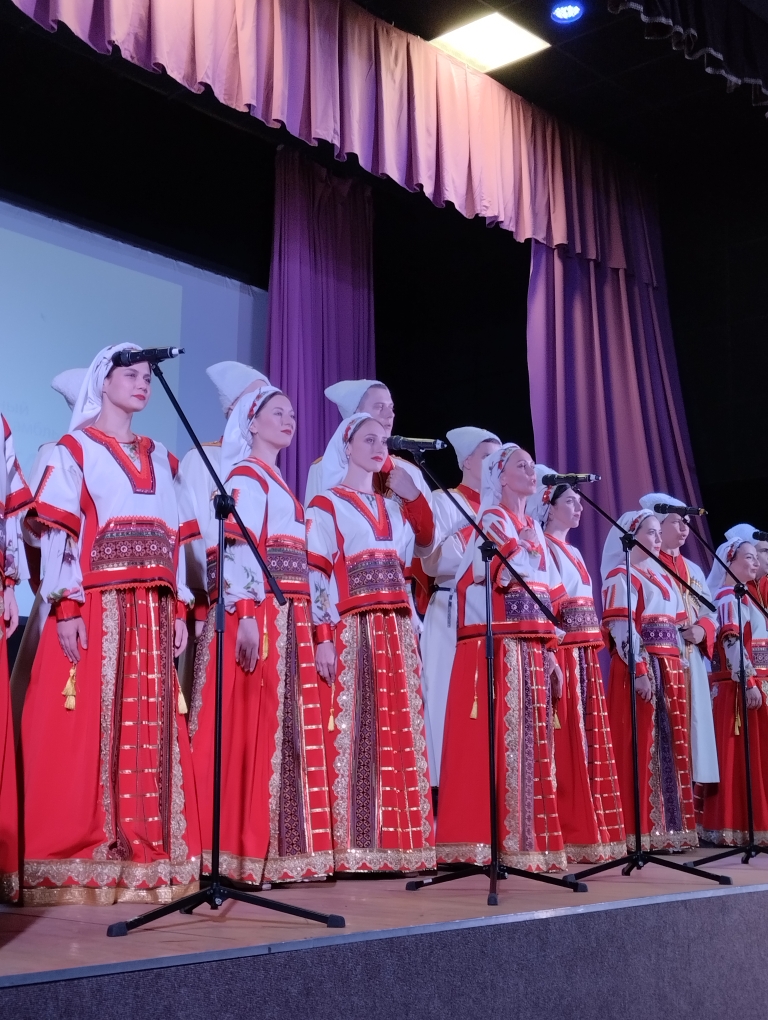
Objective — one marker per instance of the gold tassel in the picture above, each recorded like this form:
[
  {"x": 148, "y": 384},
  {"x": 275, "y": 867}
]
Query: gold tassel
[
  {"x": 265, "y": 642},
  {"x": 473, "y": 713},
  {"x": 737, "y": 720},
  {"x": 331, "y": 721},
  {"x": 557, "y": 721},
  {"x": 70, "y": 691},
  {"x": 182, "y": 703}
]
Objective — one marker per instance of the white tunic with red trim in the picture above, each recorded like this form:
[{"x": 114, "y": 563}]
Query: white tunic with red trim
[
  {"x": 314, "y": 477},
  {"x": 15, "y": 497},
  {"x": 658, "y": 613},
  {"x": 515, "y": 614},
  {"x": 275, "y": 522},
  {"x": 576, "y": 609},
  {"x": 110, "y": 515},
  {"x": 438, "y": 639},
  {"x": 197, "y": 490},
  {"x": 360, "y": 548}
]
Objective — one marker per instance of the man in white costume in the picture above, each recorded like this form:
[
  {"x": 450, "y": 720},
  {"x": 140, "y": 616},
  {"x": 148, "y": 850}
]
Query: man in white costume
[
  {"x": 440, "y": 561},
  {"x": 68, "y": 384},
  {"x": 367, "y": 396},
  {"x": 699, "y": 636}
]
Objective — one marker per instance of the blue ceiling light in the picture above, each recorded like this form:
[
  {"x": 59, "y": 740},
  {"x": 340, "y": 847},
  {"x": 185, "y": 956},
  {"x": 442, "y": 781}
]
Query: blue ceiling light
[{"x": 567, "y": 13}]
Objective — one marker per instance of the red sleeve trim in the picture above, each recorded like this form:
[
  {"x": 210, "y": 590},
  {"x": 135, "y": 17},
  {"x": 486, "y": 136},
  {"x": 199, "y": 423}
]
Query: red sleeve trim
[
  {"x": 173, "y": 460},
  {"x": 181, "y": 610},
  {"x": 641, "y": 668},
  {"x": 19, "y": 499},
  {"x": 322, "y": 503},
  {"x": 248, "y": 472},
  {"x": 320, "y": 563},
  {"x": 189, "y": 531},
  {"x": 56, "y": 518},
  {"x": 66, "y": 609},
  {"x": 707, "y": 646},
  {"x": 508, "y": 550},
  {"x": 418, "y": 513},
  {"x": 10, "y": 582},
  {"x": 323, "y": 632},
  {"x": 6, "y": 427},
  {"x": 73, "y": 447},
  {"x": 245, "y": 609}
]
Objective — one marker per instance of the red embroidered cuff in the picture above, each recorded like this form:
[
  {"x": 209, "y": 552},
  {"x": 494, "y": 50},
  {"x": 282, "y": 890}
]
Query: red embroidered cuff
[
  {"x": 66, "y": 609},
  {"x": 323, "y": 632},
  {"x": 245, "y": 609},
  {"x": 753, "y": 681},
  {"x": 10, "y": 582},
  {"x": 418, "y": 513},
  {"x": 641, "y": 668},
  {"x": 181, "y": 610},
  {"x": 200, "y": 612}
]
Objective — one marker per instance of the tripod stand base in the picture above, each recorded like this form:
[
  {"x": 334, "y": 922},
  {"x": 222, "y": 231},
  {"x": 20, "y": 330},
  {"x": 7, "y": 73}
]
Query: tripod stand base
[
  {"x": 638, "y": 860},
  {"x": 215, "y": 893},
  {"x": 565, "y": 881},
  {"x": 747, "y": 850}
]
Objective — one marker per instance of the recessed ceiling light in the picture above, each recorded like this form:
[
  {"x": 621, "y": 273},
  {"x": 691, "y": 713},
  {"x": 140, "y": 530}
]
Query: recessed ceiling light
[
  {"x": 490, "y": 42},
  {"x": 565, "y": 13}
]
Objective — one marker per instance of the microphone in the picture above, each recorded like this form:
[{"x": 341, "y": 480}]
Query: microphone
[
  {"x": 151, "y": 354},
  {"x": 395, "y": 443},
  {"x": 569, "y": 479},
  {"x": 684, "y": 511}
]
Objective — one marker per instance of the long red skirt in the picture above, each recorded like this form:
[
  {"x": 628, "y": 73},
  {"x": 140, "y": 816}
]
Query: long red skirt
[
  {"x": 9, "y": 818},
  {"x": 377, "y": 756},
  {"x": 529, "y": 828},
  {"x": 723, "y": 815},
  {"x": 109, "y": 794},
  {"x": 666, "y": 798},
  {"x": 275, "y": 819},
  {"x": 588, "y": 800}
]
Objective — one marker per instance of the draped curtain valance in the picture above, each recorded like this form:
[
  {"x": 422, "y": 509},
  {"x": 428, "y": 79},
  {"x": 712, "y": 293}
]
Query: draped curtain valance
[{"x": 330, "y": 71}]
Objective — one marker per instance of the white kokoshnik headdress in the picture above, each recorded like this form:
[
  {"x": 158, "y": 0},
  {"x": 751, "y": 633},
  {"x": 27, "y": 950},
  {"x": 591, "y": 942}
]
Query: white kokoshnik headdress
[
  {"x": 232, "y": 379},
  {"x": 467, "y": 439},
  {"x": 348, "y": 393},
  {"x": 613, "y": 550},
  {"x": 236, "y": 444},
  {"x": 91, "y": 396},
  {"x": 718, "y": 577},
  {"x": 334, "y": 465}
]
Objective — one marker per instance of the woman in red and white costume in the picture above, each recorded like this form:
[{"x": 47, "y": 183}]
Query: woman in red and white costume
[
  {"x": 658, "y": 614},
  {"x": 588, "y": 798},
  {"x": 440, "y": 562},
  {"x": 14, "y": 498},
  {"x": 360, "y": 548},
  {"x": 723, "y": 816},
  {"x": 528, "y": 679},
  {"x": 698, "y": 636},
  {"x": 110, "y": 808},
  {"x": 275, "y": 820}
]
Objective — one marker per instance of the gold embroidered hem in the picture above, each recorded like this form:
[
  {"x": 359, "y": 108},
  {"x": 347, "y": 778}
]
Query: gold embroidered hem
[
  {"x": 686, "y": 840},
  {"x": 77, "y": 895},
  {"x": 595, "y": 853},
  {"x": 9, "y": 886},
  {"x": 239, "y": 869},
  {"x": 480, "y": 854},
  {"x": 354, "y": 859},
  {"x": 82, "y": 880},
  {"x": 279, "y": 869},
  {"x": 730, "y": 837}
]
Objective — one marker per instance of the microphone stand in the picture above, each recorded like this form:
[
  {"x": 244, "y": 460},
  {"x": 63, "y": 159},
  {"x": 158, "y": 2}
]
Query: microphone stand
[
  {"x": 217, "y": 888},
  {"x": 495, "y": 870},
  {"x": 749, "y": 849},
  {"x": 637, "y": 858}
]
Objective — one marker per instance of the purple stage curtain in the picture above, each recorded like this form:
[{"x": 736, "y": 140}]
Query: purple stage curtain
[
  {"x": 605, "y": 394},
  {"x": 328, "y": 70},
  {"x": 320, "y": 298}
]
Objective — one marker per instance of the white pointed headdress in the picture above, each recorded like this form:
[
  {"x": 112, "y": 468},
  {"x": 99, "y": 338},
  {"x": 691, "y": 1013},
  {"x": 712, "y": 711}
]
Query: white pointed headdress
[
  {"x": 538, "y": 505},
  {"x": 232, "y": 379},
  {"x": 613, "y": 550},
  {"x": 89, "y": 399},
  {"x": 649, "y": 501},
  {"x": 348, "y": 393},
  {"x": 727, "y": 551},
  {"x": 334, "y": 465},
  {"x": 743, "y": 531},
  {"x": 467, "y": 439},
  {"x": 68, "y": 384}
]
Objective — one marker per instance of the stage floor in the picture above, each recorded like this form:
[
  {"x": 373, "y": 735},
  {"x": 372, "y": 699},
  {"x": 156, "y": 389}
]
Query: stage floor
[{"x": 56, "y": 943}]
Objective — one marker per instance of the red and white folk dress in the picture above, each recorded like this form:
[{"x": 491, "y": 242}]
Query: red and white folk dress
[
  {"x": 110, "y": 802},
  {"x": 15, "y": 497},
  {"x": 275, "y": 820},
  {"x": 588, "y": 799},
  {"x": 529, "y": 827},
  {"x": 666, "y": 798},
  {"x": 360, "y": 550},
  {"x": 723, "y": 815}
]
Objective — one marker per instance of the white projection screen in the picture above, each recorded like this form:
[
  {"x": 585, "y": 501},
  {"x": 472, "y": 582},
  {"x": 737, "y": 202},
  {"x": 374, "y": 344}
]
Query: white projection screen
[{"x": 66, "y": 292}]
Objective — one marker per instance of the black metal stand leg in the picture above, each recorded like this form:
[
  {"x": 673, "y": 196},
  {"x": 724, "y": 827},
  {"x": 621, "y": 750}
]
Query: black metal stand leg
[{"x": 564, "y": 881}]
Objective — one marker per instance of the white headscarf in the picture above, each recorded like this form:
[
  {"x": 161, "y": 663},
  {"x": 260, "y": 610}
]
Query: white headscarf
[
  {"x": 231, "y": 379},
  {"x": 466, "y": 440},
  {"x": 649, "y": 501},
  {"x": 743, "y": 531},
  {"x": 539, "y": 504},
  {"x": 348, "y": 393},
  {"x": 727, "y": 551},
  {"x": 334, "y": 465},
  {"x": 236, "y": 444},
  {"x": 68, "y": 384},
  {"x": 89, "y": 399},
  {"x": 613, "y": 551}
]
